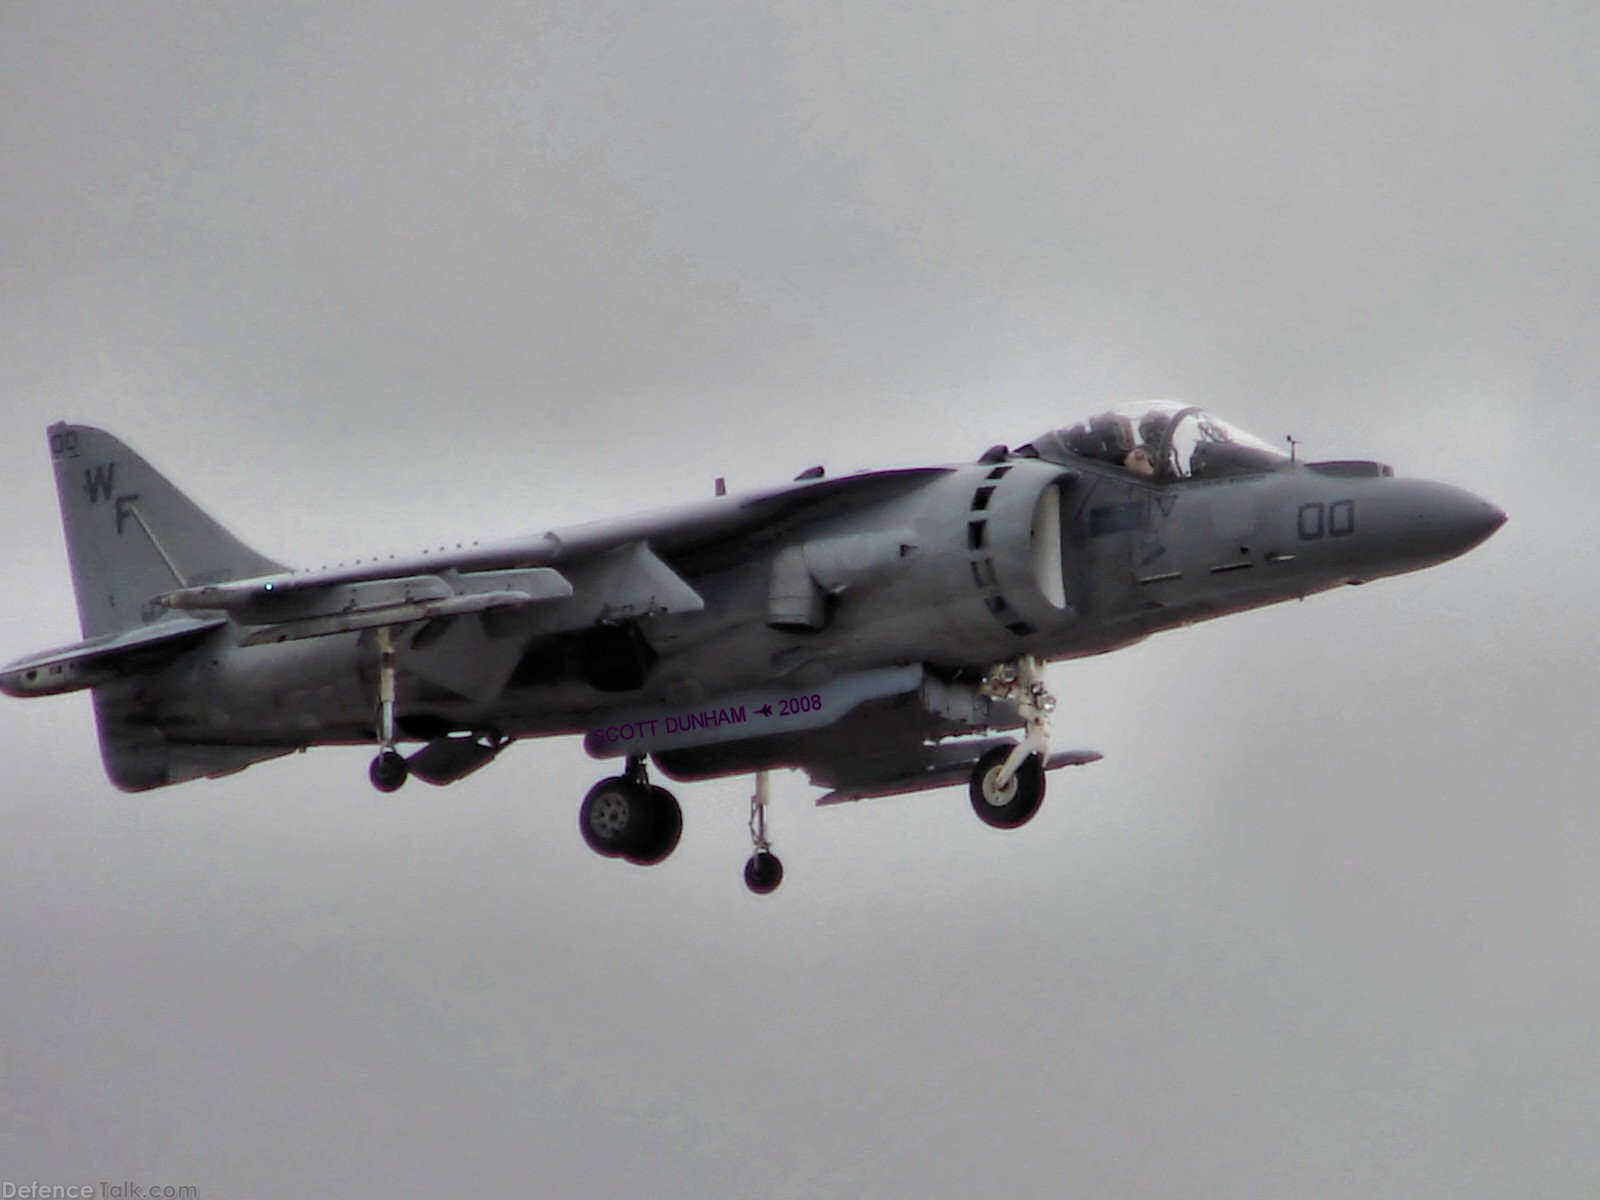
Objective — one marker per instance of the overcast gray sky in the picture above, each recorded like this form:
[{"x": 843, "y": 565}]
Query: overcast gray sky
[{"x": 367, "y": 277}]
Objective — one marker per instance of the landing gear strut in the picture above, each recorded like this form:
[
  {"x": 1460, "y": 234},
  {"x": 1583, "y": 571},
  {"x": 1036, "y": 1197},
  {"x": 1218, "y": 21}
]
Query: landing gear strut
[
  {"x": 388, "y": 771},
  {"x": 764, "y": 871},
  {"x": 627, "y": 817},
  {"x": 1008, "y": 782}
]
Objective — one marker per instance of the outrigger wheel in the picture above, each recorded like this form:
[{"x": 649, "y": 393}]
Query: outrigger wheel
[
  {"x": 763, "y": 872},
  {"x": 388, "y": 771}
]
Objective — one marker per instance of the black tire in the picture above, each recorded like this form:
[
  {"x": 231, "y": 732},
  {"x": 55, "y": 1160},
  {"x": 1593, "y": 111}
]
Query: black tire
[
  {"x": 1014, "y": 805},
  {"x": 615, "y": 815},
  {"x": 662, "y": 830},
  {"x": 763, "y": 873},
  {"x": 388, "y": 771}
]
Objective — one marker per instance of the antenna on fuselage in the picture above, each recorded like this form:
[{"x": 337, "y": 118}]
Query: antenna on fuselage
[{"x": 1294, "y": 445}]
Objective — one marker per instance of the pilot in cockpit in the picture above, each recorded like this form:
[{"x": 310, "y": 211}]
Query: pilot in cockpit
[
  {"x": 1140, "y": 461},
  {"x": 1163, "y": 440},
  {"x": 1107, "y": 437},
  {"x": 1145, "y": 458},
  {"x": 1112, "y": 437}
]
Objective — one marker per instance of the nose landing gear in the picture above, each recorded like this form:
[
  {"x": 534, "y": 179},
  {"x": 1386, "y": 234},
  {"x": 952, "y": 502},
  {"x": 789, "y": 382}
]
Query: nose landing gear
[
  {"x": 1007, "y": 784},
  {"x": 1012, "y": 803}
]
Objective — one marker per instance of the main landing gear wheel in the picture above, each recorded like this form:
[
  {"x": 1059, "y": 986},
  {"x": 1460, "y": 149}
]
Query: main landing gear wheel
[
  {"x": 1008, "y": 805},
  {"x": 388, "y": 771},
  {"x": 613, "y": 815},
  {"x": 665, "y": 828},
  {"x": 763, "y": 872},
  {"x": 629, "y": 819}
]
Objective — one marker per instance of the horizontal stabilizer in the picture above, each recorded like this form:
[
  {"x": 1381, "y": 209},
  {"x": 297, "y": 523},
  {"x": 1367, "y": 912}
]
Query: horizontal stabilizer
[{"x": 103, "y": 659}]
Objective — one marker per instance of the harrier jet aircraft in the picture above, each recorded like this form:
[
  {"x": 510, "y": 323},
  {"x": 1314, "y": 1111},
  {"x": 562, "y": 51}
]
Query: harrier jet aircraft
[{"x": 883, "y": 632}]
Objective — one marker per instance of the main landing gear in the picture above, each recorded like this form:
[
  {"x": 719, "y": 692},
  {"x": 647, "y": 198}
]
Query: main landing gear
[
  {"x": 627, "y": 817},
  {"x": 1007, "y": 784}
]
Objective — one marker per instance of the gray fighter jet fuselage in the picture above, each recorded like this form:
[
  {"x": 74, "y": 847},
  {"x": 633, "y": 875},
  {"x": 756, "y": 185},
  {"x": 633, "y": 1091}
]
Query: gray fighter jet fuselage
[{"x": 873, "y": 630}]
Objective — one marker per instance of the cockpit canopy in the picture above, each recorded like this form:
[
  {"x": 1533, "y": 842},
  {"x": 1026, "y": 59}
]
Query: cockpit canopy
[{"x": 1159, "y": 439}]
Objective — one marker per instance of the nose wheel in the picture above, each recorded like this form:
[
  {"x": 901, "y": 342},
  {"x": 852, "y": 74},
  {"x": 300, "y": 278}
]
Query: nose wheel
[
  {"x": 1007, "y": 784},
  {"x": 1009, "y": 803}
]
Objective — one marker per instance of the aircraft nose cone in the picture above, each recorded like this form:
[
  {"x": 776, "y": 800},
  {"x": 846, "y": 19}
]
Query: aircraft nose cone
[
  {"x": 1436, "y": 521},
  {"x": 1466, "y": 520},
  {"x": 1492, "y": 517}
]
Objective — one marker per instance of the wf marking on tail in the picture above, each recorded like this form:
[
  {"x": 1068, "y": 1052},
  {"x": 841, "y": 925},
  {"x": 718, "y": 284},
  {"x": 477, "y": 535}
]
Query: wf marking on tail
[
  {"x": 126, "y": 509},
  {"x": 98, "y": 481}
]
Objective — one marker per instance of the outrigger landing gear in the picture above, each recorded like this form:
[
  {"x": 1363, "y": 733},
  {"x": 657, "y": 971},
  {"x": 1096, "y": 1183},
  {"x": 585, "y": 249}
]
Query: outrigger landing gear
[
  {"x": 627, "y": 817},
  {"x": 764, "y": 871},
  {"x": 1008, "y": 782},
  {"x": 388, "y": 771}
]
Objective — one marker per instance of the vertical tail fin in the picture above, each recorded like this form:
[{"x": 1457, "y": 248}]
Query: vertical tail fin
[{"x": 132, "y": 535}]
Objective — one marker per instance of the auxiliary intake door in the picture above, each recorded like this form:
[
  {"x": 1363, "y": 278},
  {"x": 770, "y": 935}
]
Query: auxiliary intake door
[{"x": 1109, "y": 540}]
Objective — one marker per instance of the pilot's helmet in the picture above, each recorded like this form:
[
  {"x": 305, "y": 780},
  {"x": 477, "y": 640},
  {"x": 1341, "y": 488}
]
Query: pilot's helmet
[
  {"x": 1122, "y": 432},
  {"x": 1152, "y": 425}
]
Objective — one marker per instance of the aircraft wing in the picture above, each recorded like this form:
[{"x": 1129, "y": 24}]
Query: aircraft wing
[
  {"x": 608, "y": 571},
  {"x": 279, "y": 609}
]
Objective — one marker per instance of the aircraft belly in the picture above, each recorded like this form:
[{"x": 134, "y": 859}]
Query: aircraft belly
[
  {"x": 894, "y": 727},
  {"x": 289, "y": 693},
  {"x": 740, "y": 716}
]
